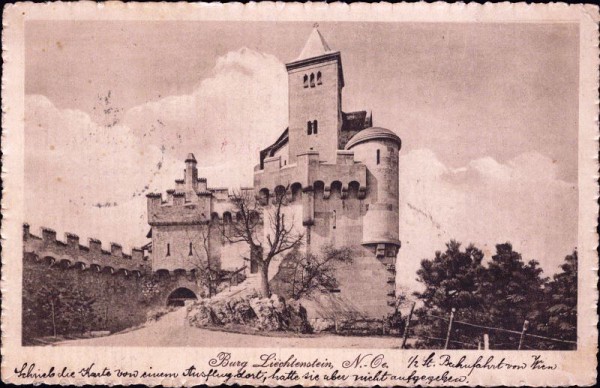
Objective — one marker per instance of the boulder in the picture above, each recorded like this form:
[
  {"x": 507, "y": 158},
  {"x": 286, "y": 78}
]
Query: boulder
[{"x": 264, "y": 314}]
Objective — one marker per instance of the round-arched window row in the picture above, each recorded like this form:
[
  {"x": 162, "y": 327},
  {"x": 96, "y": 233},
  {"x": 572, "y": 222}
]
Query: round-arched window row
[{"x": 309, "y": 80}]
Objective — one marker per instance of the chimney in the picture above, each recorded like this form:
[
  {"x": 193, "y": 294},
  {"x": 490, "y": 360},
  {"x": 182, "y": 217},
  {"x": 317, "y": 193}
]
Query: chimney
[
  {"x": 191, "y": 173},
  {"x": 26, "y": 232},
  {"x": 369, "y": 119}
]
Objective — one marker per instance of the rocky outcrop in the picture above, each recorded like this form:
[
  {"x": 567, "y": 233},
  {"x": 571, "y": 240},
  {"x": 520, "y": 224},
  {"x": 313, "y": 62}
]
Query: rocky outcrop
[{"x": 262, "y": 314}]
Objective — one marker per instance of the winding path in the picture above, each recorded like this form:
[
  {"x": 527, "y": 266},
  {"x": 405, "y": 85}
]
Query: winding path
[{"x": 173, "y": 330}]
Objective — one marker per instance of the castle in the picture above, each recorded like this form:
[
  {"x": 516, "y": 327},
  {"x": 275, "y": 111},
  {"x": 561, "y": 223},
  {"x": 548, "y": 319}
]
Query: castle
[{"x": 341, "y": 177}]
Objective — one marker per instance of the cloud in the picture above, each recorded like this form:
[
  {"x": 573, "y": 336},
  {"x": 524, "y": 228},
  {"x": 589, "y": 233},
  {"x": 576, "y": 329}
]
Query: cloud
[
  {"x": 229, "y": 117},
  {"x": 87, "y": 178},
  {"x": 485, "y": 202},
  {"x": 91, "y": 179}
]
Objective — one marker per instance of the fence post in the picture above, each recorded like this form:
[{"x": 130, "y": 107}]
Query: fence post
[
  {"x": 53, "y": 320},
  {"x": 407, "y": 325},
  {"x": 449, "y": 328},
  {"x": 525, "y": 326},
  {"x": 486, "y": 342}
]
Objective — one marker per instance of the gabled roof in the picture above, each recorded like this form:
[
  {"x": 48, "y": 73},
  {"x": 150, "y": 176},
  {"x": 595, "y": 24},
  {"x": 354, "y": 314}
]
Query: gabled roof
[
  {"x": 315, "y": 46},
  {"x": 270, "y": 150}
]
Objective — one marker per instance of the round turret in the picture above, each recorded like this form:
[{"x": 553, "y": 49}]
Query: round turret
[{"x": 378, "y": 149}]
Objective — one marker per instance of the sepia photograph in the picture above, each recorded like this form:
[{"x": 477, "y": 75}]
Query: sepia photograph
[
  {"x": 314, "y": 184},
  {"x": 256, "y": 192}
]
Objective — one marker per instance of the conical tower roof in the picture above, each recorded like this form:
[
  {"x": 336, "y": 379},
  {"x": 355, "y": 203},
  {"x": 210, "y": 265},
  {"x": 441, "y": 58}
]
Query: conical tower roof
[
  {"x": 315, "y": 46},
  {"x": 190, "y": 158}
]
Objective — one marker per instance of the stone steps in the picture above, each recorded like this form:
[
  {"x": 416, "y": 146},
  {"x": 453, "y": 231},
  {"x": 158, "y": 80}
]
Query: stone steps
[{"x": 248, "y": 286}]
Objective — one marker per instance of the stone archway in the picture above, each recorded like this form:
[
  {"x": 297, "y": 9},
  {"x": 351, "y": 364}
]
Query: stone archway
[{"x": 179, "y": 296}]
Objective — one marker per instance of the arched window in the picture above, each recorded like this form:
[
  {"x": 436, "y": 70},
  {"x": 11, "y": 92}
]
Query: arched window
[
  {"x": 305, "y": 80},
  {"x": 312, "y": 80},
  {"x": 168, "y": 249},
  {"x": 378, "y": 156},
  {"x": 319, "y": 82},
  {"x": 309, "y": 128},
  {"x": 191, "y": 248},
  {"x": 315, "y": 127}
]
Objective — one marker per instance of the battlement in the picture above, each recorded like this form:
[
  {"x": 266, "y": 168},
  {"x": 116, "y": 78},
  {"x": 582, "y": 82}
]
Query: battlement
[
  {"x": 70, "y": 253},
  {"x": 191, "y": 202},
  {"x": 309, "y": 172},
  {"x": 178, "y": 209}
]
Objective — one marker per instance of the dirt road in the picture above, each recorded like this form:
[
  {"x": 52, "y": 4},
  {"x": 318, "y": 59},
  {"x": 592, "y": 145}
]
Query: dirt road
[{"x": 172, "y": 330}]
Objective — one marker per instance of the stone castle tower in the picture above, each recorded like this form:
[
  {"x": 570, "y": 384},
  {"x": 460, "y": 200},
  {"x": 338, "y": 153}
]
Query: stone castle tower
[
  {"x": 342, "y": 180},
  {"x": 343, "y": 175}
]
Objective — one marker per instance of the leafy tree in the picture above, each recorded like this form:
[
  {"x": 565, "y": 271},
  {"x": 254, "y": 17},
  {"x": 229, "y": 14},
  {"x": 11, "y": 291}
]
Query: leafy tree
[
  {"x": 513, "y": 292},
  {"x": 48, "y": 301},
  {"x": 561, "y": 296},
  {"x": 63, "y": 309},
  {"x": 451, "y": 280},
  {"x": 503, "y": 294}
]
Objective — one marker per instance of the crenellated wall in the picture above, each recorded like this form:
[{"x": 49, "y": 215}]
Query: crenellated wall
[
  {"x": 366, "y": 287},
  {"x": 308, "y": 175},
  {"x": 110, "y": 301},
  {"x": 114, "y": 290},
  {"x": 187, "y": 226},
  {"x": 70, "y": 253}
]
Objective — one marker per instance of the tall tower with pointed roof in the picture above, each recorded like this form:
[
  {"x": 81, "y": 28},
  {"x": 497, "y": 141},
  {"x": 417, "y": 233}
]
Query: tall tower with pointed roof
[
  {"x": 315, "y": 82},
  {"x": 340, "y": 176}
]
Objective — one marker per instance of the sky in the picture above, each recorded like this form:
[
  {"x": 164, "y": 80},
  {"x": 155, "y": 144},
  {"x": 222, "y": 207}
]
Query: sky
[{"x": 487, "y": 114}]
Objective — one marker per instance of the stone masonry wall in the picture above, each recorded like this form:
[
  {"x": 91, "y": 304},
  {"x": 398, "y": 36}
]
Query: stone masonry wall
[
  {"x": 339, "y": 222},
  {"x": 87, "y": 287},
  {"x": 321, "y": 103},
  {"x": 105, "y": 301}
]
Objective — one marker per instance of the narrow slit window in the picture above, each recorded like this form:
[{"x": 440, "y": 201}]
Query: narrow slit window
[
  {"x": 315, "y": 127},
  {"x": 305, "y": 80},
  {"x": 312, "y": 80},
  {"x": 191, "y": 249},
  {"x": 168, "y": 249},
  {"x": 378, "y": 156},
  {"x": 334, "y": 219},
  {"x": 319, "y": 82},
  {"x": 309, "y": 129}
]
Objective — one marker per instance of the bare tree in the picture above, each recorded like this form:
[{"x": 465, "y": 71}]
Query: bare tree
[
  {"x": 280, "y": 237},
  {"x": 307, "y": 273},
  {"x": 200, "y": 258}
]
